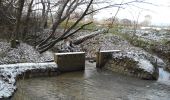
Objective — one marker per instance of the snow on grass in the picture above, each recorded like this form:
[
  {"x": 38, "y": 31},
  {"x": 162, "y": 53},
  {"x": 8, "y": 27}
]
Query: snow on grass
[
  {"x": 156, "y": 35},
  {"x": 8, "y": 74}
]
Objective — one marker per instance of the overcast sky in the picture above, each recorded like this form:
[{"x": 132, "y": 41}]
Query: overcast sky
[{"x": 160, "y": 14}]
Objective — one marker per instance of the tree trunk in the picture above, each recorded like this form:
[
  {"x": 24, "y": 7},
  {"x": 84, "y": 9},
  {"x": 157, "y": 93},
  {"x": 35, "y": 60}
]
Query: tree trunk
[
  {"x": 27, "y": 20},
  {"x": 0, "y": 3},
  {"x": 18, "y": 22},
  {"x": 56, "y": 22},
  {"x": 43, "y": 14},
  {"x": 50, "y": 41},
  {"x": 81, "y": 39},
  {"x": 69, "y": 45}
]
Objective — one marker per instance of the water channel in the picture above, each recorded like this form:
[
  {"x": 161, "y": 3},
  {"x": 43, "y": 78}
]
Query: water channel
[{"x": 93, "y": 84}]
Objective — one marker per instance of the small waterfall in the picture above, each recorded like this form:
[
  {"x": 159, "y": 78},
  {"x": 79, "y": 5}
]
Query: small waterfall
[{"x": 164, "y": 76}]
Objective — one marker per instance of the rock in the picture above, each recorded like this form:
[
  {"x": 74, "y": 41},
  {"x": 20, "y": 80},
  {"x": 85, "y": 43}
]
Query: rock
[{"x": 133, "y": 64}]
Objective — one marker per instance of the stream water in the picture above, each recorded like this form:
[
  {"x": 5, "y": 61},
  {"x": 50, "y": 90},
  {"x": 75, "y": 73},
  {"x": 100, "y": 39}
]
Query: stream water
[
  {"x": 164, "y": 76},
  {"x": 93, "y": 84}
]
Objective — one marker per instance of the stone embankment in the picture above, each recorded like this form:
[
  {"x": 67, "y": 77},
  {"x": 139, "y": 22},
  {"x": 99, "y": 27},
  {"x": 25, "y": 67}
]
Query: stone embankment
[
  {"x": 132, "y": 64},
  {"x": 9, "y": 74},
  {"x": 138, "y": 64}
]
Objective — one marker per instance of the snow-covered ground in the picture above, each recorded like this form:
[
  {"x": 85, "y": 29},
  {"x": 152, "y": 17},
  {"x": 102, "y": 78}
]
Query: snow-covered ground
[
  {"x": 155, "y": 41},
  {"x": 154, "y": 35},
  {"x": 27, "y": 58},
  {"x": 9, "y": 73},
  {"x": 22, "y": 54},
  {"x": 150, "y": 34},
  {"x": 15, "y": 61},
  {"x": 144, "y": 60}
]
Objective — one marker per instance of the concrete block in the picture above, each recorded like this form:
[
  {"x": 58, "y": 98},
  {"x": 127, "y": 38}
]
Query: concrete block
[
  {"x": 71, "y": 61},
  {"x": 103, "y": 56}
]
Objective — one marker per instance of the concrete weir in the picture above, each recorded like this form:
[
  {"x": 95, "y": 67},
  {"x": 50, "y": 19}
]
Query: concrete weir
[
  {"x": 103, "y": 56},
  {"x": 72, "y": 61},
  {"x": 64, "y": 62}
]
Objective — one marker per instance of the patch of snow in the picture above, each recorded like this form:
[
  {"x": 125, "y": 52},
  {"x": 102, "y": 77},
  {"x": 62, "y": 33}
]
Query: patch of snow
[
  {"x": 147, "y": 28},
  {"x": 143, "y": 63},
  {"x": 21, "y": 54},
  {"x": 68, "y": 53},
  {"x": 110, "y": 51},
  {"x": 93, "y": 33},
  {"x": 8, "y": 74}
]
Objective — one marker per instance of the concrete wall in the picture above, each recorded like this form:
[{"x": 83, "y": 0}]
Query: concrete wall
[
  {"x": 39, "y": 73},
  {"x": 103, "y": 56},
  {"x": 73, "y": 61}
]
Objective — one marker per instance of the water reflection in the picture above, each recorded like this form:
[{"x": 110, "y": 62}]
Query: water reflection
[{"x": 92, "y": 84}]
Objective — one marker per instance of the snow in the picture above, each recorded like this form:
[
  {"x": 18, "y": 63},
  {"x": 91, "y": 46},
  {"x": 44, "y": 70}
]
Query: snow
[
  {"x": 110, "y": 51},
  {"x": 8, "y": 74},
  {"x": 12, "y": 64},
  {"x": 68, "y": 53},
  {"x": 152, "y": 35},
  {"x": 21, "y": 54},
  {"x": 93, "y": 33},
  {"x": 156, "y": 28},
  {"x": 143, "y": 63}
]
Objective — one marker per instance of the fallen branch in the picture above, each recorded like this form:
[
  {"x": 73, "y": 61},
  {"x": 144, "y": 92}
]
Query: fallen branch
[{"x": 81, "y": 39}]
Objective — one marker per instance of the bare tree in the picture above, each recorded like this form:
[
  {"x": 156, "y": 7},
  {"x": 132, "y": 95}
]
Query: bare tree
[
  {"x": 45, "y": 12},
  {"x": 65, "y": 8},
  {"x": 40, "y": 9},
  {"x": 27, "y": 19},
  {"x": 51, "y": 40},
  {"x": 18, "y": 22}
]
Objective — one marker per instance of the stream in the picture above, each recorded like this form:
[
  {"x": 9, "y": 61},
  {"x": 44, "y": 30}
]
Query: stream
[
  {"x": 93, "y": 84},
  {"x": 164, "y": 76}
]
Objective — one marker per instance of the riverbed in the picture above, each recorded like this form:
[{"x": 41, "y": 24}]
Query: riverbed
[{"x": 92, "y": 84}]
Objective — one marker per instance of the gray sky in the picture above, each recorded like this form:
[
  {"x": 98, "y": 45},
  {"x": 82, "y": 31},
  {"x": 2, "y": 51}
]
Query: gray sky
[{"x": 160, "y": 14}]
